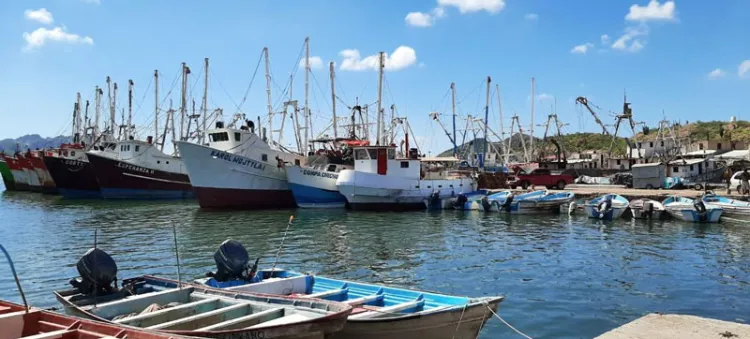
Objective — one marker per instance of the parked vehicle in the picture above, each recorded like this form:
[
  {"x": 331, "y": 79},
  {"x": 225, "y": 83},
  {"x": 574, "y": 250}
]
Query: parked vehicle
[{"x": 541, "y": 177}]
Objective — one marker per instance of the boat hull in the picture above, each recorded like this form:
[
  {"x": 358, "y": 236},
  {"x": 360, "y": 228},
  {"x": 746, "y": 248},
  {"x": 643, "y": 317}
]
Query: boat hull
[
  {"x": 21, "y": 179},
  {"x": 313, "y": 188},
  {"x": 45, "y": 179},
  {"x": 639, "y": 213},
  {"x": 712, "y": 215},
  {"x": 73, "y": 178},
  {"x": 10, "y": 183},
  {"x": 611, "y": 214},
  {"x": 223, "y": 180},
  {"x": 121, "y": 180},
  {"x": 33, "y": 179}
]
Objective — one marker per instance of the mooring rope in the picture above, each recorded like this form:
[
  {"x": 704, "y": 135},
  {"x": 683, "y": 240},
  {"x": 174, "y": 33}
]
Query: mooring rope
[
  {"x": 459, "y": 321},
  {"x": 506, "y": 323}
]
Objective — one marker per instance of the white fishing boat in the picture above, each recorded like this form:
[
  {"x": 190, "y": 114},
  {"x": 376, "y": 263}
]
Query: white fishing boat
[
  {"x": 732, "y": 208},
  {"x": 692, "y": 210},
  {"x": 535, "y": 202},
  {"x": 647, "y": 209},
  {"x": 382, "y": 181},
  {"x": 468, "y": 201},
  {"x": 606, "y": 207}
]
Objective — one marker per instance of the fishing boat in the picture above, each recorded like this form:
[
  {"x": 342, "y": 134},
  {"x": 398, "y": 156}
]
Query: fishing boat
[
  {"x": 732, "y": 208},
  {"x": 45, "y": 179},
  {"x": 140, "y": 170},
  {"x": 17, "y": 321},
  {"x": 169, "y": 306},
  {"x": 33, "y": 178},
  {"x": 379, "y": 311},
  {"x": 314, "y": 185},
  {"x": 382, "y": 181},
  {"x": 692, "y": 210},
  {"x": 647, "y": 209},
  {"x": 467, "y": 201},
  {"x": 534, "y": 202},
  {"x": 71, "y": 171},
  {"x": 7, "y": 175},
  {"x": 20, "y": 177},
  {"x": 606, "y": 207}
]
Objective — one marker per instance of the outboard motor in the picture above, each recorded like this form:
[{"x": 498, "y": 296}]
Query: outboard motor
[
  {"x": 434, "y": 198},
  {"x": 232, "y": 262},
  {"x": 700, "y": 207},
  {"x": 98, "y": 273},
  {"x": 460, "y": 201},
  {"x": 648, "y": 209},
  {"x": 486, "y": 205},
  {"x": 572, "y": 207},
  {"x": 604, "y": 207},
  {"x": 507, "y": 204}
]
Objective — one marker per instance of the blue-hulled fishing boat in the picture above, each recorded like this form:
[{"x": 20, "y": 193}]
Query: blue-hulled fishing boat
[
  {"x": 692, "y": 210},
  {"x": 606, "y": 207},
  {"x": 168, "y": 306},
  {"x": 732, "y": 208},
  {"x": 540, "y": 201},
  {"x": 379, "y": 311},
  {"x": 467, "y": 201}
]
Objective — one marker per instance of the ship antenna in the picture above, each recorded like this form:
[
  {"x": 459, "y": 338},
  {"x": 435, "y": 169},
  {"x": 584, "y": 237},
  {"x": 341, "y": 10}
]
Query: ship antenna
[
  {"x": 273, "y": 267},
  {"x": 177, "y": 255},
  {"x": 15, "y": 276}
]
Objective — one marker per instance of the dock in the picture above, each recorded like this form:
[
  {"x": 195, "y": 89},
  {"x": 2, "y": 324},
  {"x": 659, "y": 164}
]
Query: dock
[
  {"x": 675, "y": 326},
  {"x": 592, "y": 191}
]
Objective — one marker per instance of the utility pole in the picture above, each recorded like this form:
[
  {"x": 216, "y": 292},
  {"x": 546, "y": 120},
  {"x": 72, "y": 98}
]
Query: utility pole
[
  {"x": 381, "y": 66},
  {"x": 268, "y": 93},
  {"x": 333, "y": 100}
]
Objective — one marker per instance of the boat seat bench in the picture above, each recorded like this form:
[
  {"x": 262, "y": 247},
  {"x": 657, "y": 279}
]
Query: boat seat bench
[
  {"x": 246, "y": 321},
  {"x": 186, "y": 322},
  {"x": 178, "y": 311},
  {"x": 324, "y": 294},
  {"x": 388, "y": 310}
]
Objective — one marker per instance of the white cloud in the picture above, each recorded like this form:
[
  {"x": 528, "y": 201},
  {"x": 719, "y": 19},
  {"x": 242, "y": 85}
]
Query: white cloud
[
  {"x": 531, "y": 16},
  {"x": 402, "y": 57},
  {"x": 315, "y": 62},
  {"x": 41, "y": 15},
  {"x": 605, "y": 39},
  {"x": 420, "y": 19},
  {"x": 744, "y": 69},
  {"x": 41, "y": 36},
  {"x": 629, "y": 40},
  {"x": 652, "y": 12},
  {"x": 545, "y": 97},
  {"x": 469, "y": 6},
  {"x": 717, "y": 73},
  {"x": 582, "y": 48}
]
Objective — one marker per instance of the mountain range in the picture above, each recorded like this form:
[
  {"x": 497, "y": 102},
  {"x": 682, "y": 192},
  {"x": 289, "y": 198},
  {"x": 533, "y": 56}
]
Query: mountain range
[{"x": 32, "y": 141}]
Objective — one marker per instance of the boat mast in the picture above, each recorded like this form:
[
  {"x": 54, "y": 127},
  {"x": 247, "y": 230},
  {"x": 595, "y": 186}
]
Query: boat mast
[
  {"x": 156, "y": 106},
  {"x": 502, "y": 131},
  {"x": 381, "y": 65},
  {"x": 77, "y": 118},
  {"x": 333, "y": 99},
  {"x": 308, "y": 127},
  {"x": 202, "y": 134},
  {"x": 130, "y": 109},
  {"x": 393, "y": 124},
  {"x": 97, "y": 107},
  {"x": 113, "y": 112},
  {"x": 268, "y": 92},
  {"x": 486, "y": 118},
  {"x": 531, "y": 131},
  {"x": 183, "y": 102},
  {"x": 453, "y": 109}
]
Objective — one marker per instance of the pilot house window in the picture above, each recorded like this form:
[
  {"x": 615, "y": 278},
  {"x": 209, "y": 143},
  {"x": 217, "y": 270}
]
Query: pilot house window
[
  {"x": 222, "y": 136},
  {"x": 361, "y": 154},
  {"x": 404, "y": 164},
  {"x": 391, "y": 154},
  {"x": 373, "y": 153},
  {"x": 236, "y": 136}
]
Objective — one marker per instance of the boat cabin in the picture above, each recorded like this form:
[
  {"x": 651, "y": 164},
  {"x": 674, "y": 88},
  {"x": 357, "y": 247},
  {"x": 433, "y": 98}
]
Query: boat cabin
[
  {"x": 383, "y": 160},
  {"x": 243, "y": 140}
]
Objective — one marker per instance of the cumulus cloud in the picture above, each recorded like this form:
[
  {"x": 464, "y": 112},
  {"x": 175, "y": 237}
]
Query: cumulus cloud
[
  {"x": 744, "y": 69},
  {"x": 531, "y": 16},
  {"x": 717, "y": 73},
  {"x": 402, "y": 57},
  {"x": 315, "y": 62},
  {"x": 420, "y": 19},
  {"x": 469, "y": 6},
  {"x": 582, "y": 48},
  {"x": 605, "y": 39},
  {"x": 630, "y": 41},
  {"x": 654, "y": 11},
  {"x": 41, "y": 36},
  {"x": 41, "y": 15}
]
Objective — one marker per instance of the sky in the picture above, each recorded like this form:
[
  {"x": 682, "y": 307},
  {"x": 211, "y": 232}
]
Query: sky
[{"x": 687, "y": 59}]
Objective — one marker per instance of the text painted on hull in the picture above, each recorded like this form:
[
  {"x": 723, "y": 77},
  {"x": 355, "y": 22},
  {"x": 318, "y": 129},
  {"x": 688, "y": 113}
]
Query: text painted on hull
[
  {"x": 76, "y": 163},
  {"x": 135, "y": 168},
  {"x": 238, "y": 160},
  {"x": 320, "y": 174}
]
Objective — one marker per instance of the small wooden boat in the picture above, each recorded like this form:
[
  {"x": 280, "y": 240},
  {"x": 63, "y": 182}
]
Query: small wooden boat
[
  {"x": 732, "y": 208},
  {"x": 380, "y": 311},
  {"x": 535, "y": 202},
  {"x": 185, "y": 309},
  {"x": 647, "y": 209},
  {"x": 691, "y": 210},
  {"x": 606, "y": 207},
  {"x": 18, "y": 322}
]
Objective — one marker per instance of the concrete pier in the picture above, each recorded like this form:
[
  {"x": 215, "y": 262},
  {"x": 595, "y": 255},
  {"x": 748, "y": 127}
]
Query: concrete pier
[
  {"x": 593, "y": 191},
  {"x": 675, "y": 326}
]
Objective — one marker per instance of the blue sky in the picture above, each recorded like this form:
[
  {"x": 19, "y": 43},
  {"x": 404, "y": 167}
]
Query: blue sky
[{"x": 662, "y": 53}]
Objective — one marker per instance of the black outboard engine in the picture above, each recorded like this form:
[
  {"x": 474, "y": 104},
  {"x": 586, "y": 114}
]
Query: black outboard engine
[
  {"x": 460, "y": 201},
  {"x": 486, "y": 205},
  {"x": 98, "y": 273},
  {"x": 232, "y": 262},
  {"x": 507, "y": 204},
  {"x": 700, "y": 207},
  {"x": 604, "y": 206},
  {"x": 434, "y": 198},
  {"x": 648, "y": 209}
]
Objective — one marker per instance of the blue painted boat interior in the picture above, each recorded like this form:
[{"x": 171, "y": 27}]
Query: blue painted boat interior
[{"x": 711, "y": 198}]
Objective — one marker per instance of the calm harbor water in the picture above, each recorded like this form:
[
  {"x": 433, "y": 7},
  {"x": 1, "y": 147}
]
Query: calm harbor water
[{"x": 563, "y": 277}]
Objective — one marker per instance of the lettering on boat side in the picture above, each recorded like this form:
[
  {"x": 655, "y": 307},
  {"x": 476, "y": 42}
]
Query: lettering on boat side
[
  {"x": 134, "y": 168},
  {"x": 76, "y": 163},
  {"x": 252, "y": 335},
  {"x": 238, "y": 160},
  {"x": 320, "y": 174}
]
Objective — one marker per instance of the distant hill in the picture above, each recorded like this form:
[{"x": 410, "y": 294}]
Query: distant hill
[
  {"x": 32, "y": 141},
  {"x": 703, "y": 130}
]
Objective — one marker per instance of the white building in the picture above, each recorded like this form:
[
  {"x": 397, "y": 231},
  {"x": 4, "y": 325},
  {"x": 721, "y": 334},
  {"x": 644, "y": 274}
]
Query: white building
[{"x": 686, "y": 168}]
